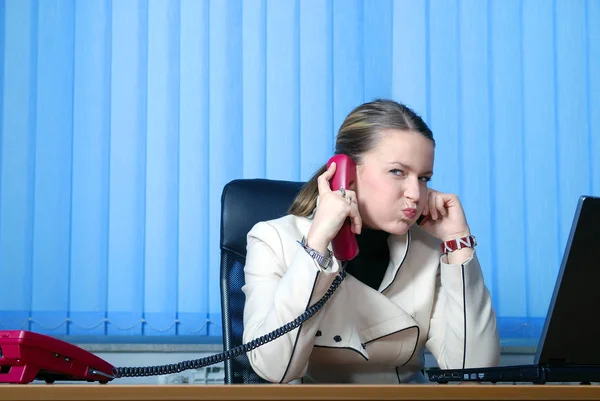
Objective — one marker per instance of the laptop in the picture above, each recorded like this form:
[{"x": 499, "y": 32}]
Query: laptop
[{"x": 568, "y": 349}]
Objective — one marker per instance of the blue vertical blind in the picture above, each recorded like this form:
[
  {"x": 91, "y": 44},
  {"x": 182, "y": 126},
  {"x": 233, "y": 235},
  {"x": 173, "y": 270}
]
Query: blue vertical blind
[{"x": 121, "y": 121}]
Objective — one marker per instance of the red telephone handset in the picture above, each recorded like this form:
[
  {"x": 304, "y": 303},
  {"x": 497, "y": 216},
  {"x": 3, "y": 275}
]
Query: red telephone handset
[{"x": 344, "y": 244}]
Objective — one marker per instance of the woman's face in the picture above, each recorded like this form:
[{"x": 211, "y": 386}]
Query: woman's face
[{"x": 391, "y": 184}]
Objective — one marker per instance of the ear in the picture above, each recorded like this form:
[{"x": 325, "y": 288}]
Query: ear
[{"x": 353, "y": 183}]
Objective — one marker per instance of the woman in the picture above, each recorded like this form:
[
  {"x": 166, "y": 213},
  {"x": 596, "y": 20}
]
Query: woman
[{"x": 401, "y": 294}]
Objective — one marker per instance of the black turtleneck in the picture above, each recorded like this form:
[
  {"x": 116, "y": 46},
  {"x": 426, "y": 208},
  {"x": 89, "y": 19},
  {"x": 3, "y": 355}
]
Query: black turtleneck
[{"x": 373, "y": 257}]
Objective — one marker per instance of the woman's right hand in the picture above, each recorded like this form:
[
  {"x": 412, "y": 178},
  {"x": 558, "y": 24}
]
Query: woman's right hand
[{"x": 331, "y": 213}]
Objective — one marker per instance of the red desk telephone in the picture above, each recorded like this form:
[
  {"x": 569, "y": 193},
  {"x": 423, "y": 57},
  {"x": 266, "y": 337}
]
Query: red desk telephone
[
  {"x": 26, "y": 356},
  {"x": 344, "y": 244}
]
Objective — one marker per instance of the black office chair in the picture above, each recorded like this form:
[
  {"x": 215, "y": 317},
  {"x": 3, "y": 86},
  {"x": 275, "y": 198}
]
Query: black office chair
[{"x": 244, "y": 203}]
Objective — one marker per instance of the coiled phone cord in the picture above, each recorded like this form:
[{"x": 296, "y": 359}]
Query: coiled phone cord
[{"x": 234, "y": 352}]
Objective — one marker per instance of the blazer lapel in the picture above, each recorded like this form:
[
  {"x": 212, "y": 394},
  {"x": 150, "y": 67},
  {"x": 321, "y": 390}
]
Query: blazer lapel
[{"x": 399, "y": 245}]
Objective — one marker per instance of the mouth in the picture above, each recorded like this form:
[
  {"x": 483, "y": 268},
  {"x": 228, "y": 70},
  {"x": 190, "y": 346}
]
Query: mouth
[{"x": 410, "y": 213}]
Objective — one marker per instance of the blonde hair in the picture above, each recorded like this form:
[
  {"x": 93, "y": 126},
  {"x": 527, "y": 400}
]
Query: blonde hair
[{"x": 358, "y": 134}]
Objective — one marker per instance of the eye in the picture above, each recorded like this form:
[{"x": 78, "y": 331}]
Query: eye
[
  {"x": 397, "y": 172},
  {"x": 425, "y": 179}
]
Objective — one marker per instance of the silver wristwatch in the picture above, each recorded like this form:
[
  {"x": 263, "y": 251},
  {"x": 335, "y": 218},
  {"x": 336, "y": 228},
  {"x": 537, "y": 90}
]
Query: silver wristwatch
[{"x": 324, "y": 261}]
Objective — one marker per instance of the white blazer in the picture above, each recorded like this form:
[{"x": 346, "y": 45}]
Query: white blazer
[{"x": 362, "y": 335}]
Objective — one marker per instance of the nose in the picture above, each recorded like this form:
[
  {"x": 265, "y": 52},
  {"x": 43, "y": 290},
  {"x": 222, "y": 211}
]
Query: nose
[{"x": 412, "y": 190}]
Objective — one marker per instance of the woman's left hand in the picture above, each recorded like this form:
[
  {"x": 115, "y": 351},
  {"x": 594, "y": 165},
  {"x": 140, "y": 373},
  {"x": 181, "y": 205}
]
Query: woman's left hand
[{"x": 447, "y": 219}]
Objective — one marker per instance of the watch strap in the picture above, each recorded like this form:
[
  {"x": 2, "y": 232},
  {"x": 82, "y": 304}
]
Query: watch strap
[
  {"x": 458, "y": 243},
  {"x": 324, "y": 261}
]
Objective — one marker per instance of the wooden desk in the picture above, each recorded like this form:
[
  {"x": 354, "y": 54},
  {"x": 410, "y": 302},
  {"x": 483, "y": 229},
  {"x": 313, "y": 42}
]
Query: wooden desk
[{"x": 296, "y": 392}]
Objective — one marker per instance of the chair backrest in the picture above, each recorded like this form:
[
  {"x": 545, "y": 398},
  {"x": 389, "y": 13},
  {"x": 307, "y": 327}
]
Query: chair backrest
[{"x": 244, "y": 203}]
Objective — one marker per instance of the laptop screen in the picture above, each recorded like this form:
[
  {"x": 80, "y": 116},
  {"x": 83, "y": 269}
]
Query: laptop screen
[{"x": 571, "y": 333}]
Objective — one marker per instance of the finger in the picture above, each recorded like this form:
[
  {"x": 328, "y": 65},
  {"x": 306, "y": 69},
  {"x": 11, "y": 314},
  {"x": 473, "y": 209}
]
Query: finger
[
  {"x": 431, "y": 206},
  {"x": 426, "y": 209},
  {"x": 355, "y": 218},
  {"x": 353, "y": 214},
  {"x": 439, "y": 204},
  {"x": 323, "y": 180}
]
